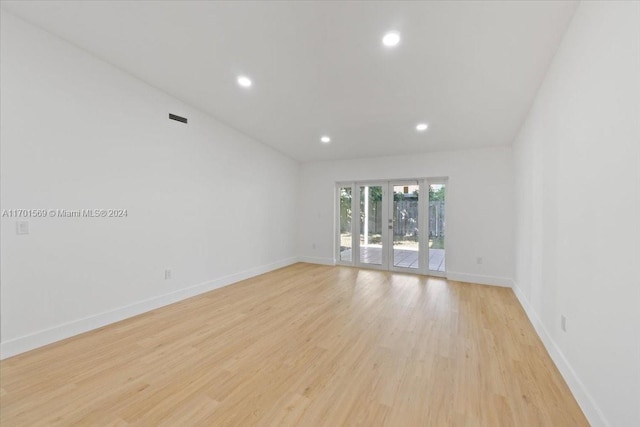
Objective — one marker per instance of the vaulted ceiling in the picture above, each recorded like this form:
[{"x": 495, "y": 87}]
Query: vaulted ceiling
[{"x": 470, "y": 70}]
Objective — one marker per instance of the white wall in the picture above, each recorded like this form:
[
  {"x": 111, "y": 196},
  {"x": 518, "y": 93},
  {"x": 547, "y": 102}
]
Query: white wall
[
  {"x": 577, "y": 163},
  {"x": 479, "y": 206},
  {"x": 203, "y": 200}
]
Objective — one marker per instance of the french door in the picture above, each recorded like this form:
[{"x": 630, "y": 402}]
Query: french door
[
  {"x": 371, "y": 227},
  {"x": 388, "y": 225},
  {"x": 405, "y": 220}
]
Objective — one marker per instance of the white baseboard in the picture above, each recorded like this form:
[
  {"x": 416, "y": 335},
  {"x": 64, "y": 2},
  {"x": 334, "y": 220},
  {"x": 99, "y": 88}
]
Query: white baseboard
[
  {"x": 482, "y": 280},
  {"x": 458, "y": 277},
  {"x": 66, "y": 330},
  {"x": 583, "y": 397},
  {"x": 317, "y": 260}
]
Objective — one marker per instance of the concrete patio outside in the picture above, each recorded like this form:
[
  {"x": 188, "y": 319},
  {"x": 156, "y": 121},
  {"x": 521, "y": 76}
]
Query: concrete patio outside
[{"x": 408, "y": 258}]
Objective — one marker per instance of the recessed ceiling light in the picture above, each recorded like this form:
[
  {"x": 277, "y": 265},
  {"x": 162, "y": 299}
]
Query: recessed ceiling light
[
  {"x": 244, "y": 81},
  {"x": 325, "y": 139},
  {"x": 421, "y": 127},
  {"x": 391, "y": 39}
]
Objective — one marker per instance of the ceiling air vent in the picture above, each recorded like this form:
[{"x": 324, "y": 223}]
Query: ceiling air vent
[{"x": 177, "y": 118}]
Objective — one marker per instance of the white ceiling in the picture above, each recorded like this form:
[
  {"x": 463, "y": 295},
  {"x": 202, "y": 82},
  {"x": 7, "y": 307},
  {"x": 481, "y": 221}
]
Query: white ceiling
[{"x": 469, "y": 69}]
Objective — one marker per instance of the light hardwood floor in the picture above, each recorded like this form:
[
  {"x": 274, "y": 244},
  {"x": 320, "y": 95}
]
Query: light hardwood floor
[{"x": 306, "y": 345}]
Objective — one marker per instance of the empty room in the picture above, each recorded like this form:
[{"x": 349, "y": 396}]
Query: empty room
[{"x": 320, "y": 213}]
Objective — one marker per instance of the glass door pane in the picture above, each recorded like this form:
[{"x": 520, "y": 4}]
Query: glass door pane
[
  {"x": 370, "y": 230},
  {"x": 436, "y": 227},
  {"x": 346, "y": 251},
  {"x": 406, "y": 242}
]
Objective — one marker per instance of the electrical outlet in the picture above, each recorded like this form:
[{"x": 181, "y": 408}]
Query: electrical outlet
[
  {"x": 22, "y": 227},
  {"x": 479, "y": 260},
  {"x": 167, "y": 274},
  {"x": 563, "y": 323}
]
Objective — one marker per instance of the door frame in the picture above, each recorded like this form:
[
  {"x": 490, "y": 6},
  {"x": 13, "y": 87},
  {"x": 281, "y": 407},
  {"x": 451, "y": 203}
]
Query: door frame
[
  {"x": 355, "y": 241},
  {"x": 338, "y": 238},
  {"x": 428, "y": 182},
  {"x": 421, "y": 248}
]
